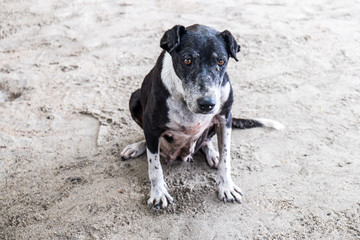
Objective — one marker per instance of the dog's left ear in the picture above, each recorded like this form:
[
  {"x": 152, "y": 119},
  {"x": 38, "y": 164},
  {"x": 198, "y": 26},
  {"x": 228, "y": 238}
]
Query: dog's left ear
[
  {"x": 171, "y": 39},
  {"x": 232, "y": 46}
]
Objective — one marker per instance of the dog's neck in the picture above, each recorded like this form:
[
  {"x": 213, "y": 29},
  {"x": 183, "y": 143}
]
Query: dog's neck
[{"x": 171, "y": 81}]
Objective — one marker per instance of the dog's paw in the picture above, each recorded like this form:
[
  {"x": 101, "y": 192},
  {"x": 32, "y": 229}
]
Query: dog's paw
[
  {"x": 133, "y": 150},
  {"x": 159, "y": 197},
  {"x": 212, "y": 158},
  {"x": 188, "y": 158},
  {"x": 229, "y": 192},
  {"x": 211, "y": 155}
]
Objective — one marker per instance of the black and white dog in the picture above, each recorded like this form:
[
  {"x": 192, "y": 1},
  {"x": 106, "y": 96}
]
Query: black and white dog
[{"x": 183, "y": 102}]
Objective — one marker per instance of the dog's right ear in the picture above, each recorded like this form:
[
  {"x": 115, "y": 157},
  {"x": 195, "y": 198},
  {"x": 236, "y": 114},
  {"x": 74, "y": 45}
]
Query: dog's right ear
[{"x": 171, "y": 39}]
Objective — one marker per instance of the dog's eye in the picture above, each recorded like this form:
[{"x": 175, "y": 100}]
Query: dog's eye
[
  {"x": 220, "y": 62},
  {"x": 187, "y": 61}
]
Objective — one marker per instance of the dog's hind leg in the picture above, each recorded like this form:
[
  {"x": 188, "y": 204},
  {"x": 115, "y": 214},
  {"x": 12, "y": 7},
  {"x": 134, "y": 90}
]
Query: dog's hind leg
[
  {"x": 136, "y": 149},
  {"x": 136, "y": 108},
  {"x": 212, "y": 156},
  {"x": 133, "y": 150}
]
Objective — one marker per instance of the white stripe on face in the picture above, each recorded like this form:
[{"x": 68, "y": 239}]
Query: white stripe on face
[{"x": 171, "y": 81}]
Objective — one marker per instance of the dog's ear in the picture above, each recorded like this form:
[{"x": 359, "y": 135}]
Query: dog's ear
[
  {"x": 231, "y": 44},
  {"x": 171, "y": 39}
]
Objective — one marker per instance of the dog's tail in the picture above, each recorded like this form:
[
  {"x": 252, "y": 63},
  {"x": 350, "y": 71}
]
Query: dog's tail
[{"x": 242, "y": 123}]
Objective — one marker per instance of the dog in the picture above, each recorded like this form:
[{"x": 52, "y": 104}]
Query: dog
[{"x": 183, "y": 102}]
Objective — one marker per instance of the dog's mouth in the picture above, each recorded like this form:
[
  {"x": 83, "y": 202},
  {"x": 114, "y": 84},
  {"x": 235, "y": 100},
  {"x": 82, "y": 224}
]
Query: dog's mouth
[{"x": 205, "y": 112}]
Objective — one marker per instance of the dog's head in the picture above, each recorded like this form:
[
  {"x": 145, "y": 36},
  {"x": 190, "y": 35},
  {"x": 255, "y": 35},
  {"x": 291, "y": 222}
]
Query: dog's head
[{"x": 200, "y": 56}]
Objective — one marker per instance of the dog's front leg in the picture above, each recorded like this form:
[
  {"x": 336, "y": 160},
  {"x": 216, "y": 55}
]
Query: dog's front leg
[
  {"x": 228, "y": 191},
  {"x": 158, "y": 194}
]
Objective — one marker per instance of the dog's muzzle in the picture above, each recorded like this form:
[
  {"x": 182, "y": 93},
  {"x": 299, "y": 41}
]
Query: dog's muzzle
[{"x": 206, "y": 104}]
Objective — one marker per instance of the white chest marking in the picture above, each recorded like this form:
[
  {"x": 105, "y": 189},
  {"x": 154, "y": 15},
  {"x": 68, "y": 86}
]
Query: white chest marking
[{"x": 184, "y": 129}]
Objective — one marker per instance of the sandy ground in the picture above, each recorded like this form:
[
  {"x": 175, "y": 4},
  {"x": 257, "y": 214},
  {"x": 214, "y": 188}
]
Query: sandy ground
[{"x": 67, "y": 69}]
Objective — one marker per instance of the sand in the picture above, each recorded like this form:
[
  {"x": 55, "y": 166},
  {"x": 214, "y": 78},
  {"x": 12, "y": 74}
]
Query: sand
[{"x": 67, "y": 69}]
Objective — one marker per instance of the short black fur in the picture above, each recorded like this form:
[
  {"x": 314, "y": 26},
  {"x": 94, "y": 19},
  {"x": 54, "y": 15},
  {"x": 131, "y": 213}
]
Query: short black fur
[{"x": 148, "y": 108}]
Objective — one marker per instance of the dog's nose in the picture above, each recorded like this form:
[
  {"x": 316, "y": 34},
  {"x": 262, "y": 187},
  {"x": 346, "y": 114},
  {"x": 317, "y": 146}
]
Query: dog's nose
[{"x": 206, "y": 104}]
